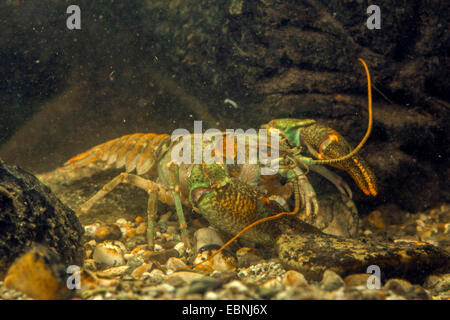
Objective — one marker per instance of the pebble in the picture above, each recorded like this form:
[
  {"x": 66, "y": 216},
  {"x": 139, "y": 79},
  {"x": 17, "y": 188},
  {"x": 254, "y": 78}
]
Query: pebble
[
  {"x": 175, "y": 264},
  {"x": 134, "y": 262},
  {"x": 438, "y": 283},
  {"x": 40, "y": 274},
  {"x": 163, "y": 256},
  {"x": 107, "y": 232},
  {"x": 90, "y": 229},
  {"x": 181, "y": 248},
  {"x": 156, "y": 276},
  {"x": 294, "y": 278},
  {"x": 139, "y": 271},
  {"x": 139, "y": 219},
  {"x": 405, "y": 289},
  {"x": 203, "y": 284},
  {"x": 112, "y": 272},
  {"x": 211, "y": 295},
  {"x": 206, "y": 238},
  {"x": 236, "y": 285},
  {"x": 331, "y": 281},
  {"x": 121, "y": 222},
  {"x": 357, "y": 279},
  {"x": 109, "y": 253},
  {"x": 89, "y": 264},
  {"x": 272, "y": 283},
  {"x": 90, "y": 245},
  {"x": 130, "y": 233},
  {"x": 141, "y": 229},
  {"x": 187, "y": 276}
]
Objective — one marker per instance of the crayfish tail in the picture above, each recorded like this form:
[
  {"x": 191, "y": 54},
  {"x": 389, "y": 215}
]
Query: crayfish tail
[{"x": 79, "y": 161}]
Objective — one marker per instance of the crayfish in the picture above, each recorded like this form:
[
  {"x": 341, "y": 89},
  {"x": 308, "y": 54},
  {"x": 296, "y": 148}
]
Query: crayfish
[{"x": 216, "y": 191}]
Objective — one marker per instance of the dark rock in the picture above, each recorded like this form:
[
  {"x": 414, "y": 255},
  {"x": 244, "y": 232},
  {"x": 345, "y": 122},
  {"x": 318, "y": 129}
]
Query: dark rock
[
  {"x": 312, "y": 254},
  {"x": 30, "y": 213}
]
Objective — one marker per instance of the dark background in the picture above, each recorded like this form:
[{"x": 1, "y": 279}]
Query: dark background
[{"x": 154, "y": 66}]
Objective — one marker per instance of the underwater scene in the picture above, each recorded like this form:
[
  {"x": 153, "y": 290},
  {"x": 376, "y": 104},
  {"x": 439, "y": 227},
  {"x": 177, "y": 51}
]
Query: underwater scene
[{"x": 224, "y": 150}]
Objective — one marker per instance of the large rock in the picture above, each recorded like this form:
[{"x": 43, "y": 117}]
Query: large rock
[{"x": 30, "y": 213}]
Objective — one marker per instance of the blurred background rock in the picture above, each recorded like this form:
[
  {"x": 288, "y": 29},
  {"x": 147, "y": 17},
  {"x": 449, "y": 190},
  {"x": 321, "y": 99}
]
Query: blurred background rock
[{"x": 154, "y": 66}]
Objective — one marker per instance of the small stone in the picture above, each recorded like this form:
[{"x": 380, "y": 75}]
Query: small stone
[
  {"x": 175, "y": 281},
  {"x": 90, "y": 244},
  {"x": 272, "y": 283},
  {"x": 247, "y": 257},
  {"x": 175, "y": 264},
  {"x": 163, "y": 256},
  {"x": 90, "y": 229},
  {"x": 89, "y": 264},
  {"x": 88, "y": 281},
  {"x": 139, "y": 219},
  {"x": 141, "y": 229},
  {"x": 204, "y": 284},
  {"x": 294, "y": 278},
  {"x": 225, "y": 275},
  {"x": 404, "y": 288},
  {"x": 108, "y": 232},
  {"x": 121, "y": 222},
  {"x": 187, "y": 276},
  {"x": 130, "y": 233},
  {"x": 40, "y": 274},
  {"x": 156, "y": 276},
  {"x": 167, "y": 287},
  {"x": 181, "y": 248},
  {"x": 139, "y": 271},
  {"x": 112, "y": 272},
  {"x": 134, "y": 262},
  {"x": 207, "y": 238},
  {"x": 211, "y": 295},
  {"x": 357, "y": 280},
  {"x": 398, "y": 286},
  {"x": 331, "y": 281},
  {"x": 109, "y": 253},
  {"x": 438, "y": 283},
  {"x": 236, "y": 285}
]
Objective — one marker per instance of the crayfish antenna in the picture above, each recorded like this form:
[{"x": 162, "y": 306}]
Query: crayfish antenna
[{"x": 369, "y": 127}]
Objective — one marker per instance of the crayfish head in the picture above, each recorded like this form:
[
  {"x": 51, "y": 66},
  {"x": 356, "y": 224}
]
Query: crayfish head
[{"x": 289, "y": 128}]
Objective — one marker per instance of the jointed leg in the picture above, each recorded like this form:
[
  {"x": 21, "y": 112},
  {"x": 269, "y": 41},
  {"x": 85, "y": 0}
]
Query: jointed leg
[
  {"x": 153, "y": 189},
  {"x": 152, "y": 209},
  {"x": 175, "y": 189},
  {"x": 340, "y": 184}
]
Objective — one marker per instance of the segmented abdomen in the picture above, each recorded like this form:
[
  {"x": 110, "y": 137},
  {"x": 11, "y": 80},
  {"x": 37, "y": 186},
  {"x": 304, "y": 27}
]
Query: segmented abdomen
[{"x": 138, "y": 151}]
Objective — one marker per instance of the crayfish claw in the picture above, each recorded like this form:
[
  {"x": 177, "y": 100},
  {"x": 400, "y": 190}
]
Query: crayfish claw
[{"x": 309, "y": 200}]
